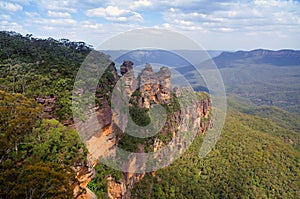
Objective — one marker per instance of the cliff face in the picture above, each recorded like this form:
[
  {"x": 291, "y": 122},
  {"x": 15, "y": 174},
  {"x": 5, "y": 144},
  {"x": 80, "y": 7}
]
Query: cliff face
[
  {"x": 153, "y": 88},
  {"x": 130, "y": 82},
  {"x": 84, "y": 174},
  {"x": 196, "y": 112}
]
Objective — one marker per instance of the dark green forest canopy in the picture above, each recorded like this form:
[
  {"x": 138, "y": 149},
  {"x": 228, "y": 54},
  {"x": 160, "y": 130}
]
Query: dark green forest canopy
[
  {"x": 245, "y": 163},
  {"x": 58, "y": 58},
  {"x": 36, "y": 155},
  {"x": 42, "y": 67}
]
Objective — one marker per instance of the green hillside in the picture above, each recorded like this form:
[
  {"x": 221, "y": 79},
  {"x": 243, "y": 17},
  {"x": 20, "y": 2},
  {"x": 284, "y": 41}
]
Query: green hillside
[
  {"x": 245, "y": 163},
  {"x": 264, "y": 84},
  {"x": 269, "y": 119}
]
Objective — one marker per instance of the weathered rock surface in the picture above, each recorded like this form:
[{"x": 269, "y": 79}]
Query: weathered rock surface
[
  {"x": 126, "y": 66},
  {"x": 94, "y": 123},
  {"x": 128, "y": 79},
  {"x": 116, "y": 189},
  {"x": 84, "y": 174},
  {"x": 48, "y": 103},
  {"x": 155, "y": 87}
]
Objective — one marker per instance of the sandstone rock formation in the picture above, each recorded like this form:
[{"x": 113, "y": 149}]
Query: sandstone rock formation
[
  {"x": 116, "y": 189},
  {"x": 128, "y": 78},
  {"x": 84, "y": 174},
  {"x": 126, "y": 66},
  {"x": 154, "y": 88}
]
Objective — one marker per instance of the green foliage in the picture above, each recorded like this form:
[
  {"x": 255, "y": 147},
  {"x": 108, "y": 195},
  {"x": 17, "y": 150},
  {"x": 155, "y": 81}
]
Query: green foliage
[
  {"x": 41, "y": 180},
  {"x": 139, "y": 115},
  {"x": 53, "y": 142},
  {"x": 245, "y": 163},
  {"x": 41, "y": 67},
  {"x": 30, "y": 49},
  {"x": 131, "y": 143},
  {"x": 99, "y": 184},
  {"x": 18, "y": 116},
  {"x": 36, "y": 157},
  {"x": 143, "y": 117},
  {"x": 269, "y": 119}
]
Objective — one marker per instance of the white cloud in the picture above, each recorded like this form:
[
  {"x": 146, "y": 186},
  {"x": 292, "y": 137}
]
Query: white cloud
[
  {"x": 214, "y": 23},
  {"x": 57, "y": 5},
  {"x": 59, "y": 14},
  {"x": 23, "y": 2},
  {"x": 11, "y": 7},
  {"x": 4, "y": 22},
  {"x": 91, "y": 25},
  {"x": 237, "y": 16},
  {"x": 5, "y": 17},
  {"x": 11, "y": 26},
  {"x": 103, "y": 12},
  {"x": 56, "y": 22},
  {"x": 271, "y": 3},
  {"x": 116, "y": 14},
  {"x": 141, "y": 4},
  {"x": 32, "y": 14},
  {"x": 183, "y": 22}
]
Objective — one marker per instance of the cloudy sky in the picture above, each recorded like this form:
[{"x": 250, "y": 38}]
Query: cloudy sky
[{"x": 218, "y": 24}]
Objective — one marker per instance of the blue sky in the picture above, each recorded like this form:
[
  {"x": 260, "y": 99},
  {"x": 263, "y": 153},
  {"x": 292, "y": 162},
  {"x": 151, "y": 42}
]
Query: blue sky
[{"x": 219, "y": 24}]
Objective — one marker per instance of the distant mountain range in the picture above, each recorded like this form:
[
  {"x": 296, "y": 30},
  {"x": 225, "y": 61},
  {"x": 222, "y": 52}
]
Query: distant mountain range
[
  {"x": 181, "y": 58},
  {"x": 171, "y": 58},
  {"x": 259, "y": 56}
]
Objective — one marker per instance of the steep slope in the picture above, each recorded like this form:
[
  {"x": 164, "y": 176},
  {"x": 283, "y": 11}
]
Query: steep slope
[
  {"x": 271, "y": 120},
  {"x": 245, "y": 163}
]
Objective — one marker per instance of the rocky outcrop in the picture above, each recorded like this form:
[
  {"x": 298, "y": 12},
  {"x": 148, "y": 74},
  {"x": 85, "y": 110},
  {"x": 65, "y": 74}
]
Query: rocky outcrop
[
  {"x": 94, "y": 124},
  {"x": 155, "y": 87},
  {"x": 116, "y": 189},
  {"x": 84, "y": 174},
  {"x": 130, "y": 82},
  {"x": 48, "y": 103},
  {"x": 195, "y": 110},
  {"x": 125, "y": 67}
]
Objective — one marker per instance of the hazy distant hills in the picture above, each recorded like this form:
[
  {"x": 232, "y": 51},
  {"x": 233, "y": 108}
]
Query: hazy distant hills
[
  {"x": 171, "y": 58},
  {"x": 265, "y": 77},
  {"x": 259, "y": 56},
  {"x": 177, "y": 58}
]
